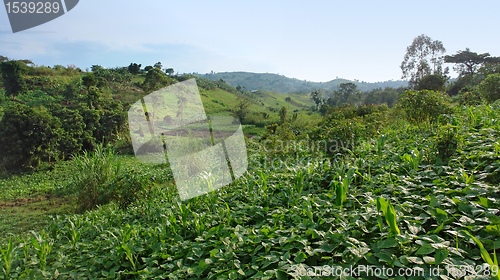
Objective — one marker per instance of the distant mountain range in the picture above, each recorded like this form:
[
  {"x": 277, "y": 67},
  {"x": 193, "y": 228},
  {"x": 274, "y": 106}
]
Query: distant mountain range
[{"x": 281, "y": 84}]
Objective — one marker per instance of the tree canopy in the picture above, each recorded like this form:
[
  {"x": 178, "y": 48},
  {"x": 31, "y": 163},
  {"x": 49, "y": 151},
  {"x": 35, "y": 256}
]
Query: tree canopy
[
  {"x": 467, "y": 62},
  {"x": 422, "y": 58}
]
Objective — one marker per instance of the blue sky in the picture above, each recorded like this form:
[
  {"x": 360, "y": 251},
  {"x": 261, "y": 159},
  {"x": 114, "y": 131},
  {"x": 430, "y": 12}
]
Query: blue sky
[{"x": 308, "y": 40}]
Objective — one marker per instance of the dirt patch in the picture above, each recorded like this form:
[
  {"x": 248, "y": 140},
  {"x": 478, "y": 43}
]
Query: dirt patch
[{"x": 27, "y": 201}]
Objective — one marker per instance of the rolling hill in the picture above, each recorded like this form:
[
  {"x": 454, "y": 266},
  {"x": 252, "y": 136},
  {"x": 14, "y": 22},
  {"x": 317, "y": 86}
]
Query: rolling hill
[{"x": 281, "y": 84}]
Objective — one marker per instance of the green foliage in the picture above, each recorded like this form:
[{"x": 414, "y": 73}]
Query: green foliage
[
  {"x": 242, "y": 109},
  {"x": 317, "y": 97},
  {"x": 470, "y": 96},
  {"x": 425, "y": 105},
  {"x": 486, "y": 256},
  {"x": 89, "y": 81},
  {"x": 276, "y": 216},
  {"x": 420, "y": 55},
  {"x": 387, "y": 95},
  {"x": 446, "y": 142},
  {"x": 433, "y": 82},
  {"x": 13, "y": 77},
  {"x": 347, "y": 93},
  {"x": 36, "y": 98},
  {"x": 389, "y": 214},
  {"x": 129, "y": 186},
  {"x": 27, "y": 136},
  {"x": 467, "y": 62},
  {"x": 491, "y": 87},
  {"x": 94, "y": 173},
  {"x": 72, "y": 136},
  {"x": 282, "y": 113},
  {"x": 134, "y": 68},
  {"x": 155, "y": 80}
]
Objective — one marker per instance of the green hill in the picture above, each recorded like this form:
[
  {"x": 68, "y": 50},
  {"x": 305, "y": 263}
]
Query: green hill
[{"x": 281, "y": 84}]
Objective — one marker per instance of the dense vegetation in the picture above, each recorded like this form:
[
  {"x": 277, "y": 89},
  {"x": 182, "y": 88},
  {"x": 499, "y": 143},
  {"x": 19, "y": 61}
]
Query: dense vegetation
[{"x": 331, "y": 181}]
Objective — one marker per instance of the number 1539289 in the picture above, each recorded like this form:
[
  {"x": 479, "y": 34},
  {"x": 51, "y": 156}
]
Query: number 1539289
[{"x": 32, "y": 7}]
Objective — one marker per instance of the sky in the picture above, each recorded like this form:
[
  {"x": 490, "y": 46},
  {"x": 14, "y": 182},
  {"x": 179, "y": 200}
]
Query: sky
[{"x": 308, "y": 40}]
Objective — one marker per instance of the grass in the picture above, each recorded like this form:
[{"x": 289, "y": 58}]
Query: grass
[{"x": 20, "y": 216}]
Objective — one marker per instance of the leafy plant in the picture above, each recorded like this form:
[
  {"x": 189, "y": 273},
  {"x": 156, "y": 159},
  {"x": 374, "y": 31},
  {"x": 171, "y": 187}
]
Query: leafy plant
[
  {"x": 8, "y": 256},
  {"x": 485, "y": 255},
  {"x": 425, "y": 105},
  {"x": 389, "y": 214},
  {"x": 446, "y": 142},
  {"x": 414, "y": 159}
]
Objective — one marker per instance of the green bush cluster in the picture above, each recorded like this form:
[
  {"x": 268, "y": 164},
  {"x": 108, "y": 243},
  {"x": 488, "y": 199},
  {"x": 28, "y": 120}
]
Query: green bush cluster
[
  {"x": 30, "y": 135},
  {"x": 424, "y": 105}
]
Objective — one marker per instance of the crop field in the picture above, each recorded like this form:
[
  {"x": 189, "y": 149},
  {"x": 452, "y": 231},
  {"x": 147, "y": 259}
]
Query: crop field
[{"x": 385, "y": 204}]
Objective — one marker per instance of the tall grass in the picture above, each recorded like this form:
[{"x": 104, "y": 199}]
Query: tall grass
[{"x": 93, "y": 172}]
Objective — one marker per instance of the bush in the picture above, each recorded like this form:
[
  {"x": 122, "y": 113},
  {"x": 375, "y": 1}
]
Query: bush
[
  {"x": 431, "y": 82},
  {"x": 490, "y": 87},
  {"x": 446, "y": 143},
  {"x": 128, "y": 187},
  {"x": 424, "y": 105},
  {"x": 470, "y": 96},
  {"x": 28, "y": 136}
]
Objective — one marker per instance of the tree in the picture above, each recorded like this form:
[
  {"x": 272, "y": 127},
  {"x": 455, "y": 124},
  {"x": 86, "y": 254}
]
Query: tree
[
  {"x": 317, "y": 97},
  {"x": 13, "y": 77},
  {"x": 346, "y": 93},
  {"x": 169, "y": 71},
  {"x": 423, "y": 58},
  {"x": 134, "y": 68},
  {"x": 467, "y": 62},
  {"x": 93, "y": 97},
  {"x": 242, "y": 110},
  {"x": 72, "y": 135},
  {"x": 282, "y": 113},
  {"x": 158, "y": 65},
  {"x": 89, "y": 81},
  {"x": 155, "y": 79},
  {"x": 432, "y": 82}
]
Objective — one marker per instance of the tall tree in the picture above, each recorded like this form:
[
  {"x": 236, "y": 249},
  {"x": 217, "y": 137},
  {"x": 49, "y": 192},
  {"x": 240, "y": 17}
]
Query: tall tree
[
  {"x": 467, "y": 62},
  {"x": 282, "y": 113},
  {"x": 317, "y": 97},
  {"x": 422, "y": 58},
  {"x": 346, "y": 93}
]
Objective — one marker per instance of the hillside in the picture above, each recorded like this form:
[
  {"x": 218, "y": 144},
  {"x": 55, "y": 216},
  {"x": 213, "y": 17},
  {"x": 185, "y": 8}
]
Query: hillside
[{"x": 281, "y": 84}]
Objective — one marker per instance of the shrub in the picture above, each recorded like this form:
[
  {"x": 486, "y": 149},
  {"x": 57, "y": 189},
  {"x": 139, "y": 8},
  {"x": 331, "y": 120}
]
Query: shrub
[
  {"x": 424, "y": 105},
  {"x": 128, "y": 187},
  {"x": 490, "y": 87},
  {"x": 27, "y": 136},
  {"x": 470, "y": 96},
  {"x": 446, "y": 143}
]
